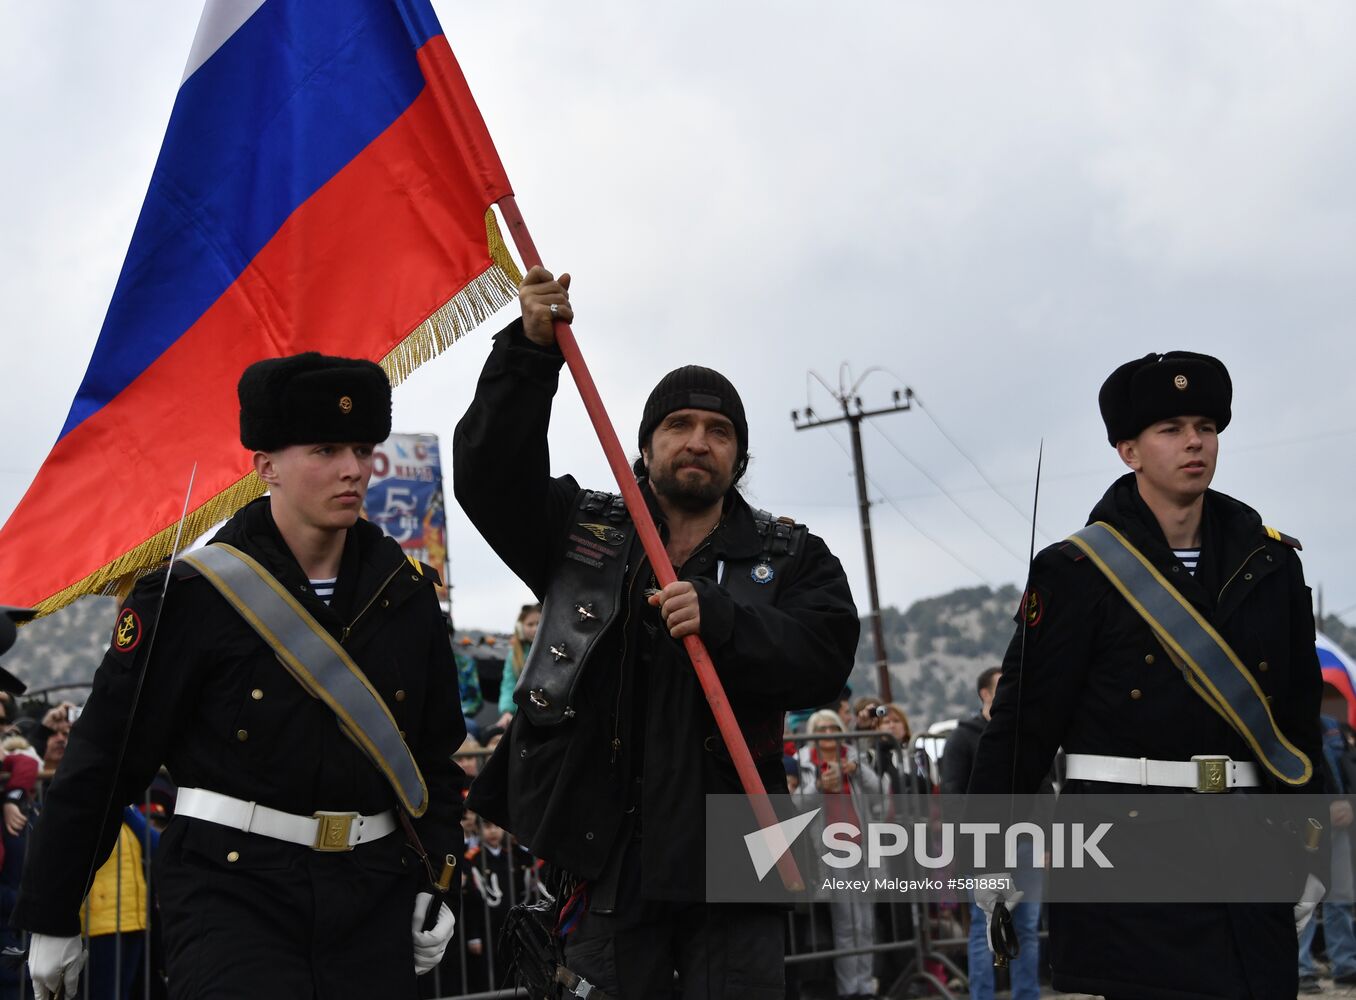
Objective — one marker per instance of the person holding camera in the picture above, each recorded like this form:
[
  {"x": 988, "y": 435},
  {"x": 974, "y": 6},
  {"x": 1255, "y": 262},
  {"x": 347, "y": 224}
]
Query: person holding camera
[{"x": 832, "y": 770}]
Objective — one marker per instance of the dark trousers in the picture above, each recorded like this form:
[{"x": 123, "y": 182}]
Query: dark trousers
[
  {"x": 332, "y": 926},
  {"x": 111, "y": 974},
  {"x": 716, "y": 952}
]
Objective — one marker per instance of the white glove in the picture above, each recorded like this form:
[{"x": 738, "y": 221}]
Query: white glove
[
  {"x": 1308, "y": 902},
  {"x": 988, "y": 900},
  {"x": 430, "y": 945},
  {"x": 52, "y": 961}
]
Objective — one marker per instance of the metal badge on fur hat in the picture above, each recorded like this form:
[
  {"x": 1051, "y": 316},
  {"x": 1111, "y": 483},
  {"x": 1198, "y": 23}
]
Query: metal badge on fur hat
[
  {"x": 313, "y": 399},
  {"x": 1161, "y": 386},
  {"x": 693, "y": 387}
]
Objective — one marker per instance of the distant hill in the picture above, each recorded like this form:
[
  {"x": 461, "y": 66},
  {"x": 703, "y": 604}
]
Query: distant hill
[
  {"x": 937, "y": 648},
  {"x": 65, "y": 647}
]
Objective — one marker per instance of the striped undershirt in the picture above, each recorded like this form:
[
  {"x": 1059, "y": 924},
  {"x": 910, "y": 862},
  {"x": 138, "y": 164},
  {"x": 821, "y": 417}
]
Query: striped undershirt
[
  {"x": 1189, "y": 558},
  {"x": 324, "y": 589}
]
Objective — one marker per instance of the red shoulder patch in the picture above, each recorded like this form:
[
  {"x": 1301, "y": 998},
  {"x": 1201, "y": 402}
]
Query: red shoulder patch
[{"x": 127, "y": 631}]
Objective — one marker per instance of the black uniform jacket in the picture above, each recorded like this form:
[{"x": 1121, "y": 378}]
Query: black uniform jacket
[
  {"x": 640, "y": 709},
  {"x": 1095, "y": 680},
  {"x": 219, "y": 709}
]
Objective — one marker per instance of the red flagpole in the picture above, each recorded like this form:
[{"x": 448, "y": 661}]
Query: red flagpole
[{"x": 654, "y": 549}]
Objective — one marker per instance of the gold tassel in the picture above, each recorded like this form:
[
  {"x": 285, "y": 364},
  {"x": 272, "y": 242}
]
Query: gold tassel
[
  {"x": 485, "y": 295},
  {"x": 121, "y": 574},
  {"x": 493, "y": 289}
]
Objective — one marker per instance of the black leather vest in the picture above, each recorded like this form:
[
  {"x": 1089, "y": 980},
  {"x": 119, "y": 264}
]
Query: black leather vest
[{"x": 585, "y": 596}]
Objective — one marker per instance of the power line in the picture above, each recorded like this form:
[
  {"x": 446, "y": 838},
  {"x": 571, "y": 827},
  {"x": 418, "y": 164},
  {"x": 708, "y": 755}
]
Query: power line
[
  {"x": 947, "y": 493},
  {"x": 915, "y": 526},
  {"x": 975, "y": 465}
]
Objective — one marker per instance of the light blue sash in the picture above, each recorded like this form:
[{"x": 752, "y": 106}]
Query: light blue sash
[{"x": 317, "y": 662}]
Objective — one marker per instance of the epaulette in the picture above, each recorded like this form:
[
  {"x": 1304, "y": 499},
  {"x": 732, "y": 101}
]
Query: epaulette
[
  {"x": 424, "y": 569},
  {"x": 1072, "y": 551},
  {"x": 1277, "y": 536},
  {"x": 781, "y": 535},
  {"x": 148, "y": 585}
]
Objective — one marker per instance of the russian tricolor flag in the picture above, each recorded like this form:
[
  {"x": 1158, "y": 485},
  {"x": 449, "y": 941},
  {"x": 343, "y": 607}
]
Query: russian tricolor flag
[
  {"x": 1339, "y": 670},
  {"x": 324, "y": 184}
]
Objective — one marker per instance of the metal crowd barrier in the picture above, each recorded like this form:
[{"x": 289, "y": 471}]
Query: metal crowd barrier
[{"x": 910, "y": 931}]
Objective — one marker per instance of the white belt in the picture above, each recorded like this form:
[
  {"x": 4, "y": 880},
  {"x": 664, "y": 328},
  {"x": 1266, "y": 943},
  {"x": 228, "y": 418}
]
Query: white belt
[
  {"x": 1204, "y": 773},
  {"x": 323, "y": 831}
]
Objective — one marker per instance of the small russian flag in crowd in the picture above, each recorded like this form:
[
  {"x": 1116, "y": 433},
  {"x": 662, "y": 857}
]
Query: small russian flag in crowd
[
  {"x": 325, "y": 183},
  {"x": 1338, "y": 670}
]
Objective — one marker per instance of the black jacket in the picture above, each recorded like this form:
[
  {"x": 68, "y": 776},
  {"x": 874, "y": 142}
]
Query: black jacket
[
  {"x": 958, "y": 760},
  {"x": 1095, "y": 680},
  {"x": 223, "y": 714},
  {"x": 640, "y": 711}
]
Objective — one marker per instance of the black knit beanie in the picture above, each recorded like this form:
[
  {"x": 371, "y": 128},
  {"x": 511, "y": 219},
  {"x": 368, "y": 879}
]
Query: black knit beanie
[{"x": 696, "y": 388}]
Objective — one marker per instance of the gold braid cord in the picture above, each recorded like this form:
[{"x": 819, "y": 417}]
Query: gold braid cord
[{"x": 484, "y": 295}]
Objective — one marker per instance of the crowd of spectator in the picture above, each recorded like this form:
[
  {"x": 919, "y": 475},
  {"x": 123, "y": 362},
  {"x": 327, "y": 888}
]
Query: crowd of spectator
[{"x": 118, "y": 918}]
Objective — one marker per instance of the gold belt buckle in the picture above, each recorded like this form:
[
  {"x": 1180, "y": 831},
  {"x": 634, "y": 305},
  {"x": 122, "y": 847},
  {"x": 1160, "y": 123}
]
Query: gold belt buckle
[
  {"x": 331, "y": 831},
  {"x": 1212, "y": 773}
]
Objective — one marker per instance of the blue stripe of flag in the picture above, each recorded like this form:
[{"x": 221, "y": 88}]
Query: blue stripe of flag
[{"x": 295, "y": 94}]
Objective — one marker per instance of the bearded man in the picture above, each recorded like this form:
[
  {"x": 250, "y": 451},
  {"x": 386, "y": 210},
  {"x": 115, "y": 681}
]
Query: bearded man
[{"x": 605, "y": 769}]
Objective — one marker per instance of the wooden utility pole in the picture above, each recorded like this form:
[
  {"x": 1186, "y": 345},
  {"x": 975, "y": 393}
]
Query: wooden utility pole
[{"x": 853, "y": 415}]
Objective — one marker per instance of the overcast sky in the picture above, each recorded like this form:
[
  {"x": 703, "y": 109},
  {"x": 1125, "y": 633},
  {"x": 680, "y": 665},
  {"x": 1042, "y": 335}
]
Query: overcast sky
[{"x": 995, "y": 203}]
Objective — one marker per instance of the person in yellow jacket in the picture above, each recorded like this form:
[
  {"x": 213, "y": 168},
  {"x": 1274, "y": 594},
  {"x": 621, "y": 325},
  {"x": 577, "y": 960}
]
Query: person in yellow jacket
[{"x": 116, "y": 913}]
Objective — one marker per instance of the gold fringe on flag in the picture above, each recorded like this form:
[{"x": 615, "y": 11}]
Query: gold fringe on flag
[
  {"x": 490, "y": 291},
  {"x": 485, "y": 295},
  {"x": 118, "y": 576}
]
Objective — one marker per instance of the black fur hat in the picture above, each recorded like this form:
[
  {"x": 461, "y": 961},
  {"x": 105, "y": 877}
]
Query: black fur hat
[
  {"x": 313, "y": 399},
  {"x": 1159, "y": 386}
]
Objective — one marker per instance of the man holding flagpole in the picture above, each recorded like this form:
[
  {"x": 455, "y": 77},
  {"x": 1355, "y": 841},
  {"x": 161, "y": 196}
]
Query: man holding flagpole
[
  {"x": 299, "y": 684},
  {"x": 605, "y": 769}
]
